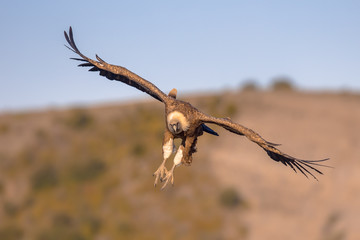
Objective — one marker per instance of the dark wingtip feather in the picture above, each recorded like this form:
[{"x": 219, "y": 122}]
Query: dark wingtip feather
[
  {"x": 79, "y": 59},
  {"x": 69, "y": 48},
  {"x": 98, "y": 58},
  {"x": 304, "y": 166},
  {"x": 86, "y": 65},
  {"x": 273, "y": 144},
  {"x": 70, "y": 32},
  {"x": 321, "y": 160},
  {"x": 67, "y": 37},
  {"x": 93, "y": 69}
]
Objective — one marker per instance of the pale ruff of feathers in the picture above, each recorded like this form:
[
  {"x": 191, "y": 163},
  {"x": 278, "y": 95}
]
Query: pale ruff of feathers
[{"x": 181, "y": 118}]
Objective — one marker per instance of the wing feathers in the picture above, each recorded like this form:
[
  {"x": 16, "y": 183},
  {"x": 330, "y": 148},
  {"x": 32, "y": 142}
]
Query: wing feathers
[
  {"x": 78, "y": 59},
  {"x": 94, "y": 69},
  {"x": 85, "y": 65},
  {"x": 113, "y": 72},
  {"x": 300, "y": 164},
  {"x": 209, "y": 130},
  {"x": 304, "y": 166}
]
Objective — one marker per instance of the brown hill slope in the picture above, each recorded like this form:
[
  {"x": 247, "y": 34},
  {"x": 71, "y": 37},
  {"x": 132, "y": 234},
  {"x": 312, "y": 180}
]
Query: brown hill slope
[
  {"x": 85, "y": 173},
  {"x": 285, "y": 205}
]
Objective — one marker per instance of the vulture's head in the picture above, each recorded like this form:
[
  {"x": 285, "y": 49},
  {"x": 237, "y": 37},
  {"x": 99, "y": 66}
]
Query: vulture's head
[{"x": 177, "y": 122}]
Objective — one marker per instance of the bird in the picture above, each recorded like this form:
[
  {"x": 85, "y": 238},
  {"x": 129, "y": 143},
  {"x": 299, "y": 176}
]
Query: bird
[{"x": 187, "y": 123}]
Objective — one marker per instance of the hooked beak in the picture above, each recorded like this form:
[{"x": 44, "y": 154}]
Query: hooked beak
[{"x": 175, "y": 127}]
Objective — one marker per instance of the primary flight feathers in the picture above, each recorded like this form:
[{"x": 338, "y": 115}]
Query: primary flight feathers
[
  {"x": 113, "y": 72},
  {"x": 185, "y": 121}
]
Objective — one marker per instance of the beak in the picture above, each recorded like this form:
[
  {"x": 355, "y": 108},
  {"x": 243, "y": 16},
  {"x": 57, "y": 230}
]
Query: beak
[{"x": 174, "y": 127}]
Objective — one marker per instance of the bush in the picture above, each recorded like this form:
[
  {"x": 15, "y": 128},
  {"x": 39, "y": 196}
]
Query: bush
[
  {"x": 87, "y": 170},
  {"x": 11, "y": 233},
  {"x": 45, "y": 177},
  {"x": 79, "y": 119},
  {"x": 332, "y": 229},
  {"x": 282, "y": 84},
  {"x": 229, "y": 198},
  {"x": 60, "y": 234},
  {"x": 138, "y": 150},
  {"x": 10, "y": 209},
  {"x": 62, "y": 220},
  {"x": 231, "y": 109},
  {"x": 250, "y": 85}
]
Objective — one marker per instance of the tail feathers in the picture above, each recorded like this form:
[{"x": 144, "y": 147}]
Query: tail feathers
[{"x": 209, "y": 130}]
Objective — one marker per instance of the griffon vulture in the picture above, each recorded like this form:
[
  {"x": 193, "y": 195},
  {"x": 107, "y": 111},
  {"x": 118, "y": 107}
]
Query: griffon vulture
[{"x": 185, "y": 121}]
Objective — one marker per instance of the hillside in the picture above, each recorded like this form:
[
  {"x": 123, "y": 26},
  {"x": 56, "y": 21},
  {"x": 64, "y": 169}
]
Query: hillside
[{"x": 86, "y": 172}]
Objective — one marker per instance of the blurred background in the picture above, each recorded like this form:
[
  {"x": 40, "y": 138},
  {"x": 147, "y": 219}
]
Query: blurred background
[{"x": 77, "y": 151}]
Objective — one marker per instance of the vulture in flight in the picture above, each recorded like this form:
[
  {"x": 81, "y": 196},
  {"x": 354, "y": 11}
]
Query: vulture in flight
[{"x": 186, "y": 122}]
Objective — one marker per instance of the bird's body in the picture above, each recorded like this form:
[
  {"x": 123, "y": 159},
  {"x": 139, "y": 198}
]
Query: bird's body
[{"x": 185, "y": 121}]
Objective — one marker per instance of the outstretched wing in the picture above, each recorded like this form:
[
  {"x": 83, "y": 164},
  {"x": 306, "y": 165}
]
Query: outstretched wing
[
  {"x": 114, "y": 72},
  {"x": 304, "y": 166}
]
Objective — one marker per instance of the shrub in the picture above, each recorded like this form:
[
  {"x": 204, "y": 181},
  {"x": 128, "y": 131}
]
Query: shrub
[
  {"x": 10, "y": 209},
  {"x": 138, "y": 150},
  {"x": 87, "y": 170},
  {"x": 282, "y": 84},
  {"x": 231, "y": 110},
  {"x": 125, "y": 228},
  {"x": 62, "y": 220},
  {"x": 229, "y": 198},
  {"x": 92, "y": 223},
  {"x": 332, "y": 229},
  {"x": 60, "y": 234},
  {"x": 45, "y": 177},
  {"x": 79, "y": 119},
  {"x": 11, "y": 233},
  {"x": 250, "y": 85}
]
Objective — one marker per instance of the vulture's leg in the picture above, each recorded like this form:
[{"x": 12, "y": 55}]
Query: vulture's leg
[
  {"x": 168, "y": 149},
  {"x": 183, "y": 155},
  {"x": 177, "y": 162}
]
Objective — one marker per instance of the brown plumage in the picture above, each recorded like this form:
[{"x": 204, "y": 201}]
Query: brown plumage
[{"x": 185, "y": 121}]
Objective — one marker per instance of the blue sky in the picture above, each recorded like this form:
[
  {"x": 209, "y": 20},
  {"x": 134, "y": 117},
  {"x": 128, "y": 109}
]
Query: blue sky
[{"x": 191, "y": 45}]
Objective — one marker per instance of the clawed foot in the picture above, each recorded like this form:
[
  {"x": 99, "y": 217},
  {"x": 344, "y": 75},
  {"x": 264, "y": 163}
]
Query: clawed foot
[
  {"x": 160, "y": 173},
  {"x": 168, "y": 178}
]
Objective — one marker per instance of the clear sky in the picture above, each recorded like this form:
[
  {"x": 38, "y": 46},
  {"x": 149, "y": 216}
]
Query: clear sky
[{"x": 190, "y": 45}]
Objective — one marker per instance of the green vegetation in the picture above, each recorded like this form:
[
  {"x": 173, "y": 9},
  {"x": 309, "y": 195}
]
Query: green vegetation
[
  {"x": 88, "y": 170},
  {"x": 11, "y": 233},
  {"x": 87, "y": 173},
  {"x": 45, "y": 177},
  {"x": 79, "y": 119}
]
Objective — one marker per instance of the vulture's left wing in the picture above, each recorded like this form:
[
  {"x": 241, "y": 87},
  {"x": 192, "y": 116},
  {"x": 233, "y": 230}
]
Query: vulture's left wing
[
  {"x": 304, "y": 166},
  {"x": 114, "y": 72}
]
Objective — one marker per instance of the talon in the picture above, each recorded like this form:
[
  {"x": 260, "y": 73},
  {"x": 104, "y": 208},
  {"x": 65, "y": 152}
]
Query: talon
[
  {"x": 169, "y": 178},
  {"x": 160, "y": 173}
]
